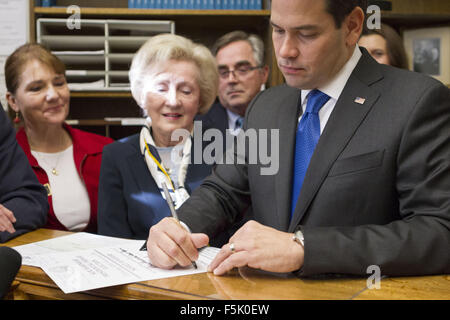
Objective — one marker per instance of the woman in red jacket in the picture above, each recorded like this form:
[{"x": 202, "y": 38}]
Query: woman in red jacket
[{"x": 66, "y": 160}]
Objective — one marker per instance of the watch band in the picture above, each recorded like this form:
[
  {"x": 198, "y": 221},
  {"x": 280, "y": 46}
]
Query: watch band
[{"x": 298, "y": 237}]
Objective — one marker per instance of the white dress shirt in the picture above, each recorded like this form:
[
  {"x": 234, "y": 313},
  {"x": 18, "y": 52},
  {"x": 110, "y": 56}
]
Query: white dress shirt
[
  {"x": 333, "y": 89},
  {"x": 232, "y": 117}
]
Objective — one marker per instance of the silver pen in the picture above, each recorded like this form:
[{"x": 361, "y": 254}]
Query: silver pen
[{"x": 172, "y": 209}]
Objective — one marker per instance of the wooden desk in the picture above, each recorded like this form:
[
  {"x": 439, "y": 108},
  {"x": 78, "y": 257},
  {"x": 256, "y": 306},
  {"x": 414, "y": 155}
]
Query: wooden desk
[{"x": 245, "y": 283}]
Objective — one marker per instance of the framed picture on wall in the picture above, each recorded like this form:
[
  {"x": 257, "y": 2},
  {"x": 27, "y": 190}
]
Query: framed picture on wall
[{"x": 429, "y": 51}]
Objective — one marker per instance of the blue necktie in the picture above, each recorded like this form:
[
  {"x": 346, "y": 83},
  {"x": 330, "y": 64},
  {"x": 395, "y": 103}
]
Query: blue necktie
[{"x": 308, "y": 133}]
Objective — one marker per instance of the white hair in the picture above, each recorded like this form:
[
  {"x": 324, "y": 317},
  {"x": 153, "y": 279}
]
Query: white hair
[{"x": 158, "y": 50}]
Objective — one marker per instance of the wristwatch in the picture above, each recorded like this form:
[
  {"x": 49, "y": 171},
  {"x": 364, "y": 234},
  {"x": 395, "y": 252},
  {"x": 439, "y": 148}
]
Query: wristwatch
[{"x": 298, "y": 237}]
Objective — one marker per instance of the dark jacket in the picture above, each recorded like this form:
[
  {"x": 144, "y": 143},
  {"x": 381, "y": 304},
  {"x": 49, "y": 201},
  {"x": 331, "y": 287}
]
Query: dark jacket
[
  {"x": 130, "y": 201},
  {"x": 20, "y": 191}
]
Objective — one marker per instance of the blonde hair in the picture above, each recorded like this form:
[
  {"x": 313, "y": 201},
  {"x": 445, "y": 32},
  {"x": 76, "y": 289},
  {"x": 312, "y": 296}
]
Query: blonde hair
[{"x": 156, "y": 51}]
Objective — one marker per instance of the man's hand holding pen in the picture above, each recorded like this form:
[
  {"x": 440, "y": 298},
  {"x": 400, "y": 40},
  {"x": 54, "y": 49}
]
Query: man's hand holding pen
[
  {"x": 169, "y": 244},
  {"x": 169, "y": 250}
]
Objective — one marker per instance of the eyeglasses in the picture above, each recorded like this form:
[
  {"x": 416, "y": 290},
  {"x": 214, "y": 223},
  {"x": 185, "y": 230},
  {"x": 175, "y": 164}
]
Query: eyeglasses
[{"x": 241, "y": 70}]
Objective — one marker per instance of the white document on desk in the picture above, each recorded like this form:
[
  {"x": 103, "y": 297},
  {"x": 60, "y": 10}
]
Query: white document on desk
[
  {"x": 77, "y": 241},
  {"x": 90, "y": 269}
]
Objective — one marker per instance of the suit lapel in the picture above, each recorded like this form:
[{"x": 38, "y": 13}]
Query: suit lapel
[
  {"x": 341, "y": 126},
  {"x": 287, "y": 124}
]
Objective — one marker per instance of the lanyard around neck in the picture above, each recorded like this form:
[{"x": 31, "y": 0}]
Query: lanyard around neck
[{"x": 159, "y": 165}]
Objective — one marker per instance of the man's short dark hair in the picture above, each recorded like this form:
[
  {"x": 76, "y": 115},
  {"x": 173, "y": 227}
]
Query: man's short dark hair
[{"x": 340, "y": 9}]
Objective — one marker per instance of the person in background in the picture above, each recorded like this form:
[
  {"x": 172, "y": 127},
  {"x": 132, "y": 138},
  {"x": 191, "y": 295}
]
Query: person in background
[
  {"x": 23, "y": 200},
  {"x": 172, "y": 79},
  {"x": 386, "y": 46},
  {"x": 242, "y": 73},
  {"x": 65, "y": 160}
]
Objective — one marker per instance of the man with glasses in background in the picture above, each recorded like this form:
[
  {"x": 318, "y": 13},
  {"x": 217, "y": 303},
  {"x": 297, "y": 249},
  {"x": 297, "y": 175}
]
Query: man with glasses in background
[{"x": 242, "y": 73}]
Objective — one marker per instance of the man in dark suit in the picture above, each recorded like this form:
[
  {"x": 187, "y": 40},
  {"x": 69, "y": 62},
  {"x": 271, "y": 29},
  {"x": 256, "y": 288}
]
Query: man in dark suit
[
  {"x": 23, "y": 200},
  {"x": 376, "y": 190},
  {"x": 242, "y": 73}
]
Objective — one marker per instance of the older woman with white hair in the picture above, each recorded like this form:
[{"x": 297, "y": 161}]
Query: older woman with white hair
[{"x": 172, "y": 79}]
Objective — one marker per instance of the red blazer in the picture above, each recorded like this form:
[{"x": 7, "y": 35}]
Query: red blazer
[{"x": 87, "y": 154}]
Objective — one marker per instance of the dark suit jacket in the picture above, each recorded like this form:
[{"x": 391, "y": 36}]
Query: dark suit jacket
[
  {"x": 216, "y": 117},
  {"x": 377, "y": 190},
  {"x": 130, "y": 201},
  {"x": 20, "y": 191}
]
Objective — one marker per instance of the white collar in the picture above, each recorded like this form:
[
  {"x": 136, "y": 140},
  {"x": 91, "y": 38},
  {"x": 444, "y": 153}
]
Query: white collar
[
  {"x": 232, "y": 117},
  {"x": 335, "y": 87}
]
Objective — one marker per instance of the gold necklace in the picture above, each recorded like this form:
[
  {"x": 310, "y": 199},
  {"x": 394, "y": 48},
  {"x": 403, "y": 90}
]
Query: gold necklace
[{"x": 54, "y": 170}]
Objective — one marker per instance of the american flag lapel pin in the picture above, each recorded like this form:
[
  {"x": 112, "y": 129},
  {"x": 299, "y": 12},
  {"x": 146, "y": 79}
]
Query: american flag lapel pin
[{"x": 360, "y": 100}]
